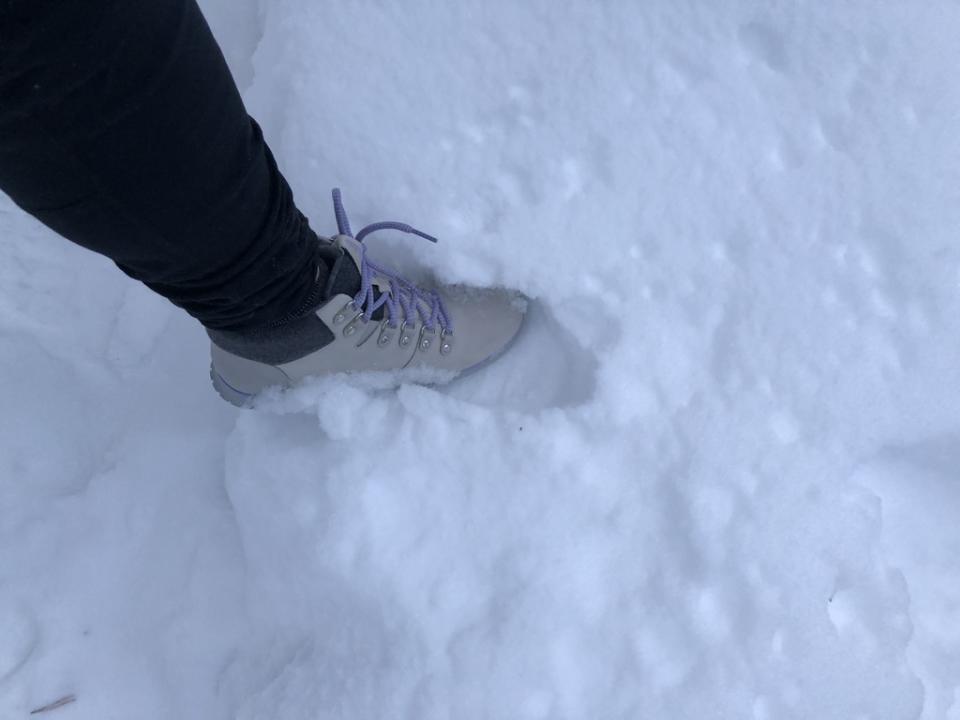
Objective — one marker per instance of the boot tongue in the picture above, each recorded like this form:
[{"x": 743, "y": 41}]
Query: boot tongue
[
  {"x": 350, "y": 247},
  {"x": 344, "y": 278}
]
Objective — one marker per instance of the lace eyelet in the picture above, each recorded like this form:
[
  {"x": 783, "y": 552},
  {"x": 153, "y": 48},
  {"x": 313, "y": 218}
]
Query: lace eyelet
[
  {"x": 406, "y": 337},
  {"x": 385, "y": 335},
  {"x": 426, "y": 338},
  {"x": 342, "y": 313},
  {"x": 446, "y": 342},
  {"x": 351, "y": 327}
]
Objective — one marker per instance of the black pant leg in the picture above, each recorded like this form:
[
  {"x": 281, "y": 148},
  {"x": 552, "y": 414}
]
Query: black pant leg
[{"x": 121, "y": 128}]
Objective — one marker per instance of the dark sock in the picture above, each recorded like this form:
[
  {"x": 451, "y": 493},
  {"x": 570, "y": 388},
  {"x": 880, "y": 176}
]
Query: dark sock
[{"x": 301, "y": 332}]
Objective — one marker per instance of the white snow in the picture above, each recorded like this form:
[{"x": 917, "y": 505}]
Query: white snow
[{"x": 717, "y": 476}]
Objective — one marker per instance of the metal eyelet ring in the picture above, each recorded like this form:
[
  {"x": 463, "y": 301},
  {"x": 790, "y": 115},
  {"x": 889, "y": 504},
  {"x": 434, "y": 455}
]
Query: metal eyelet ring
[
  {"x": 446, "y": 344},
  {"x": 385, "y": 334},
  {"x": 342, "y": 313},
  {"x": 351, "y": 327},
  {"x": 426, "y": 338},
  {"x": 405, "y": 337}
]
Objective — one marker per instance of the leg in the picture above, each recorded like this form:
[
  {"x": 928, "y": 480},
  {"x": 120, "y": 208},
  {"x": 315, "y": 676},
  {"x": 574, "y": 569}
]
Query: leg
[{"x": 122, "y": 129}]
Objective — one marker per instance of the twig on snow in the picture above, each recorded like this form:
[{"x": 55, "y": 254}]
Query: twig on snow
[{"x": 65, "y": 700}]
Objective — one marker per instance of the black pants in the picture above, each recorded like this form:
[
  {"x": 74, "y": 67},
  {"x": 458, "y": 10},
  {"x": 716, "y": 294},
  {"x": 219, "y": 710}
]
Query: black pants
[{"x": 121, "y": 128}]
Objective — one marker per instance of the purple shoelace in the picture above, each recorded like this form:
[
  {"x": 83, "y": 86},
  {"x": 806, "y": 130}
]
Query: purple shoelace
[{"x": 404, "y": 300}]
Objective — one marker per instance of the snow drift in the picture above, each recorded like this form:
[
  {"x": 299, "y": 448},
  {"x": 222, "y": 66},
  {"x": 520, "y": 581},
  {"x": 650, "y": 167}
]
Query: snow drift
[{"x": 716, "y": 477}]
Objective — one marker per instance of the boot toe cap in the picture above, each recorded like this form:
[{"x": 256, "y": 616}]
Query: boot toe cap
[{"x": 485, "y": 323}]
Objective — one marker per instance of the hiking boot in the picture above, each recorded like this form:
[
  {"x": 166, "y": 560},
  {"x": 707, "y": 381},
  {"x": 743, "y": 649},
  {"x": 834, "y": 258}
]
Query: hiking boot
[{"x": 370, "y": 319}]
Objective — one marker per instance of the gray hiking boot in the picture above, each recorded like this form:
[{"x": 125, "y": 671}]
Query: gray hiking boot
[{"x": 370, "y": 319}]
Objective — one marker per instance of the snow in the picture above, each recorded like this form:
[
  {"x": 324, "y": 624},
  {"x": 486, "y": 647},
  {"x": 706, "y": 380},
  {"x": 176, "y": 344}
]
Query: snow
[{"x": 716, "y": 477}]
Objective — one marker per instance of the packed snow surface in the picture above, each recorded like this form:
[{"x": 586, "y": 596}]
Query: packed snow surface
[{"x": 717, "y": 477}]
